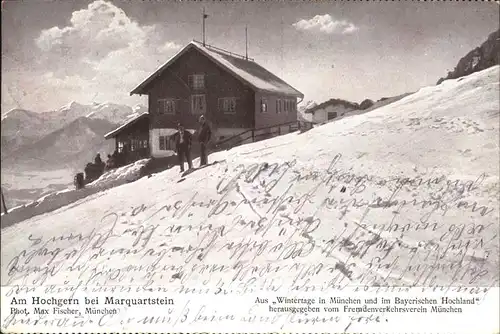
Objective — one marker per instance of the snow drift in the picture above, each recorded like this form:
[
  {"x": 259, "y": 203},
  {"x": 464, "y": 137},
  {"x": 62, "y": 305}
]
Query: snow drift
[{"x": 406, "y": 195}]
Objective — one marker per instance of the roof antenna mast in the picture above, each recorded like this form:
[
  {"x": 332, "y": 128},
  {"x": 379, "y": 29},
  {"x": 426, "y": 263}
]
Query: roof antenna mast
[
  {"x": 204, "y": 18},
  {"x": 246, "y": 42}
]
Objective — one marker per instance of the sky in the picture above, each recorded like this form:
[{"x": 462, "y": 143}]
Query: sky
[{"x": 55, "y": 52}]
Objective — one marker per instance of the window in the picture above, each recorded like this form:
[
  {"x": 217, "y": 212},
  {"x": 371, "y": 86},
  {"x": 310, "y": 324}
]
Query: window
[
  {"x": 227, "y": 105},
  {"x": 166, "y": 143},
  {"x": 120, "y": 147},
  {"x": 166, "y": 106},
  {"x": 285, "y": 105},
  {"x": 263, "y": 105},
  {"x": 163, "y": 143},
  {"x": 197, "y": 81},
  {"x": 198, "y": 104},
  {"x": 332, "y": 115},
  {"x": 138, "y": 144}
]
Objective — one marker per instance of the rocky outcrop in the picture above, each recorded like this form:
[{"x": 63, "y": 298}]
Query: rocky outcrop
[
  {"x": 482, "y": 57},
  {"x": 366, "y": 104}
]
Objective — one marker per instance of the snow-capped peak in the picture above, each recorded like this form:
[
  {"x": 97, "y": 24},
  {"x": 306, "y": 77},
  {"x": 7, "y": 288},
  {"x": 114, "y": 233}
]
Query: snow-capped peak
[
  {"x": 110, "y": 111},
  {"x": 18, "y": 113},
  {"x": 71, "y": 105}
]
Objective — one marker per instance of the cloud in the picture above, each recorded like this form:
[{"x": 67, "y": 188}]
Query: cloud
[
  {"x": 101, "y": 50},
  {"x": 326, "y": 24}
]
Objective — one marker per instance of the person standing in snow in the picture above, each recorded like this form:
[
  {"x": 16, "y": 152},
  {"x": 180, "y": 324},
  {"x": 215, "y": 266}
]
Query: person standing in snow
[
  {"x": 183, "y": 146},
  {"x": 97, "y": 160},
  {"x": 110, "y": 163},
  {"x": 204, "y": 135}
]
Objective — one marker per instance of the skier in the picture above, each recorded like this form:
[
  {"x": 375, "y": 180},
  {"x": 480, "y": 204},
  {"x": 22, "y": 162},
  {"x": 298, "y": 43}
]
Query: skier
[
  {"x": 183, "y": 145},
  {"x": 204, "y": 135}
]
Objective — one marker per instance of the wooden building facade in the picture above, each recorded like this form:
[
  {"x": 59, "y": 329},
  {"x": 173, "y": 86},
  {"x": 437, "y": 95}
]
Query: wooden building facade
[
  {"x": 132, "y": 139},
  {"x": 233, "y": 92}
]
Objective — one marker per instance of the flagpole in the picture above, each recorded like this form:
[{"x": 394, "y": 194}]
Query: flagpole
[{"x": 246, "y": 42}]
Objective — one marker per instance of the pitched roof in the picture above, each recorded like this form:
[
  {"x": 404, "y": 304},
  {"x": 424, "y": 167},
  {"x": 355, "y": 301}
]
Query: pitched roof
[
  {"x": 245, "y": 70},
  {"x": 126, "y": 125}
]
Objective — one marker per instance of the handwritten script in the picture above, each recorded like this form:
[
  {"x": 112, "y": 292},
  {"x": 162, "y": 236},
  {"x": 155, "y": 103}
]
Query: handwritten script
[{"x": 277, "y": 227}]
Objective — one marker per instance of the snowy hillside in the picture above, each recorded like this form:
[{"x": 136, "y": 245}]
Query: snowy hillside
[
  {"x": 405, "y": 195},
  {"x": 57, "y": 199}
]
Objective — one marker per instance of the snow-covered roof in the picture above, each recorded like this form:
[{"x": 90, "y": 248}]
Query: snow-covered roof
[
  {"x": 332, "y": 102},
  {"x": 245, "y": 70},
  {"x": 126, "y": 125}
]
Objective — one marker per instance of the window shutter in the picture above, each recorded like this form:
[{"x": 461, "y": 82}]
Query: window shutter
[
  {"x": 203, "y": 81},
  {"x": 203, "y": 104}
]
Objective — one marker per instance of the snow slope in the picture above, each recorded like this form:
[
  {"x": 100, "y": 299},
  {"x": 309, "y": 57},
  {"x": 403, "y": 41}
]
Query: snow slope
[
  {"x": 70, "y": 195},
  {"x": 405, "y": 195}
]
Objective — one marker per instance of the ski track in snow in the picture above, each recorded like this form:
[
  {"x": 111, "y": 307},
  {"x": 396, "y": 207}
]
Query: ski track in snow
[{"x": 431, "y": 157}]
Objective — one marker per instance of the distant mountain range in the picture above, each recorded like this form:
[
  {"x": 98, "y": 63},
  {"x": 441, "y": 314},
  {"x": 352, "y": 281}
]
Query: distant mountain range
[{"x": 70, "y": 135}]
